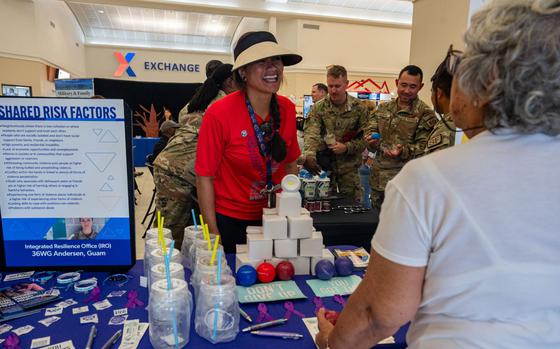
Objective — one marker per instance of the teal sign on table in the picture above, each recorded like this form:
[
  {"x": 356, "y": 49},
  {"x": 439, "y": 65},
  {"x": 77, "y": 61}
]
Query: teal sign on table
[
  {"x": 273, "y": 291},
  {"x": 337, "y": 285}
]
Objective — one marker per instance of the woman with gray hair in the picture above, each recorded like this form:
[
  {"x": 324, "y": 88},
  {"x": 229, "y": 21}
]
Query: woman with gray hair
[{"x": 468, "y": 241}]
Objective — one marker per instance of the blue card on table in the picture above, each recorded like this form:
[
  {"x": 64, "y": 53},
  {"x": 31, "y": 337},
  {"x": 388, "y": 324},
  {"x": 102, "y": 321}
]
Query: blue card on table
[
  {"x": 337, "y": 285},
  {"x": 274, "y": 291}
]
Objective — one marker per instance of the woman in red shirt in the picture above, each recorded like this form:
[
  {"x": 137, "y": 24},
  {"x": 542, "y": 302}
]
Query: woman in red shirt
[{"x": 247, "y": 142}]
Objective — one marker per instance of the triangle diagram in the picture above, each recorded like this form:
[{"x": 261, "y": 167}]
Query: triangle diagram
[
  {"x": 100, "y": 159},
  {"x": 108, "y": 137},
  {"x": 109, "y": 202},
  {"x": 97, "y": 131},
  {"x": 106, "y": 187}
]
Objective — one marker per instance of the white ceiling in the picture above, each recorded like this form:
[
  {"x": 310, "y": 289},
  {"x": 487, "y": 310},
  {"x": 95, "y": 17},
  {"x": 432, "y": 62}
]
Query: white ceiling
[
  {"x": 156, "y": 24},
  {"x": 399, "y": 6},
  {"x": 158, "y": 28}
]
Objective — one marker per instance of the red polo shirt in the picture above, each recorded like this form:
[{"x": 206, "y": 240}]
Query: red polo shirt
[{"x": 228, "y": 151}]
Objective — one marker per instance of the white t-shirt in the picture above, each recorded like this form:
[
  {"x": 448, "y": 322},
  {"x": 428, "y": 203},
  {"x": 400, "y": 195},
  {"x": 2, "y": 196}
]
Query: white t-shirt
[{"x": 484, "y": 218}]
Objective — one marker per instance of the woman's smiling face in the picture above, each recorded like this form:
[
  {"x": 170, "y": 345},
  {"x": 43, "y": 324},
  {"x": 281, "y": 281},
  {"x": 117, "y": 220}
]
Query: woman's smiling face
[{"x": 264, "y": 75}]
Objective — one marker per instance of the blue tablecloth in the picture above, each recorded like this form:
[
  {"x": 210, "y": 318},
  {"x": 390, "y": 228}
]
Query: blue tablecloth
[
  {"x": 69, "y": 326},
  {"x": 142, "y": 147}
]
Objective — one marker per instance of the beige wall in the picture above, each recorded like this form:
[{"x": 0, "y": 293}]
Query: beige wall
[
  {"x": 101, "y": 63},
  {"x": 42, "y": 30},
  {"x": 435, "y": 25},
  {"x": 367, "y": 52},
  {"x": 27, "y": 73},
  {"x": 299, "y": 84}
]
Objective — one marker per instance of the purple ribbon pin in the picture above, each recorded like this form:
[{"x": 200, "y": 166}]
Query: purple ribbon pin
[
  {"x": 318, "y": 304},
  {"x": 12, "y": 342},
  {"x": 290, "y": 309},
  {"x": 133, "y": 300},
  {"x": 263, "y": 314},
  {"x": 339, "y": 299},
  {"x": 94, "y": 295}
]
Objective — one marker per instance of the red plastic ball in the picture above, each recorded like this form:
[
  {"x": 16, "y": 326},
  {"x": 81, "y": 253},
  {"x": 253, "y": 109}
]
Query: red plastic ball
[
  {"x": 266, "y": 272},
  {"x": 285, "y": 271}
]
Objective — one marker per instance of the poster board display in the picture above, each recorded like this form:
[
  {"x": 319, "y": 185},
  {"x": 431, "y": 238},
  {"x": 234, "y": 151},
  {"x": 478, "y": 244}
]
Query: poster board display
[{"x": 66, "y": 184}]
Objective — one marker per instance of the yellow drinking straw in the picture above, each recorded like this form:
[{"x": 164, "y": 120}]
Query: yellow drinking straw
[
  {"x": 162, "y": 238},
  {"x": 216, "y": 242},
  {"x": 208, "y": 237}
]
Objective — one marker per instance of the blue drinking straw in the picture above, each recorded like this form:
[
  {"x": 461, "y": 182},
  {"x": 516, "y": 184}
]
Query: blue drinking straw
[
  {"x": 167, "y": 260},
  {"x": 219, "y": 271},
  {"x": 194, "y": 220}
]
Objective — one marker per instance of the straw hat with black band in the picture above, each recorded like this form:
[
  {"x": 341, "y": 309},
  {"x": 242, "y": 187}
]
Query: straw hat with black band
[{"x": 254, "y": 46}]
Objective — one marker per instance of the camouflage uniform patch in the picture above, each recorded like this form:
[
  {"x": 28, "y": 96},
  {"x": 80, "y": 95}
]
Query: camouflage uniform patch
[
  {"x": 441, "y": 137},
  {"x": 346, "y": 123},
  {"x": 409, "y": 127}
]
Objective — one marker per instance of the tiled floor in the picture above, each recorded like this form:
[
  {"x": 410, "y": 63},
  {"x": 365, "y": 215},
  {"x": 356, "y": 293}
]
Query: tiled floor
[{"x": 146, "y": 186}]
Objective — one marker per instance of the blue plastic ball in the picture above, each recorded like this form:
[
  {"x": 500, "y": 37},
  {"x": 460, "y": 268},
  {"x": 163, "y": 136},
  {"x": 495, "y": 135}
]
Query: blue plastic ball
[
  {"x": 343, "y": 266},
  {"x": 246, "y": 276},
  {"x": 324, "y": 269}
]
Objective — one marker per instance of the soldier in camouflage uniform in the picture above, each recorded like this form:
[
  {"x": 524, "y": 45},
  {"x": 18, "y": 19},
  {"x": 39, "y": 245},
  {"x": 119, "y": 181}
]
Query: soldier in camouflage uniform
[
  {"x": 404, "y": 126},
  {"x": 174, "y": 166},
  {"x": 335, "y": 126},
  {"x": 443, "y": 135}
]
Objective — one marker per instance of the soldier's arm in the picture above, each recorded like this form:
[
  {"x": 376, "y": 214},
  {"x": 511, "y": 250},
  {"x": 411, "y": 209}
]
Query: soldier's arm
[
  {"x": 358, "y": 144},
  {"x": 371, "y": 127},
  {"x": 425, "y": 127},
  {"x": 439, "y": 140},
  {"x": 312, "y": 133}
]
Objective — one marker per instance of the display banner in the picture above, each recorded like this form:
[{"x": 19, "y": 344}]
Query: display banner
[
  {"x": 273, "y": 291},
  {"x": 74, "y": 88},
  {"x": 66, "y": 184},
  {"x": 338, "y": 285}
]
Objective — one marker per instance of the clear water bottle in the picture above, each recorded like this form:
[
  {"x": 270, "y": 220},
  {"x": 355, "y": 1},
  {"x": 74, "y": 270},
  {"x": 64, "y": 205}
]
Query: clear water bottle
[
  {"x": 170, "y": 314},
  {"x": 217, "y": 310}
]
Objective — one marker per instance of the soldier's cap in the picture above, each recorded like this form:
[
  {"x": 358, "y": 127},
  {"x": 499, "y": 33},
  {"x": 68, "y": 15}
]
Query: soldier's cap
[
  {"x": 254, "y": 46},
  {"x": 168, "y": 124}
]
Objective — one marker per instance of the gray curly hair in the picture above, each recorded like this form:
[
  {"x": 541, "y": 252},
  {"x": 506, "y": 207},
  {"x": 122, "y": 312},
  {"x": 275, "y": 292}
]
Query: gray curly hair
[{"x": 512, "y": 62}]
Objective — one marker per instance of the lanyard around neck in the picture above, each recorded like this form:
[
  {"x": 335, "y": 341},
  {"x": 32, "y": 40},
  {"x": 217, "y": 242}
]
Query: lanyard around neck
[{"x": 263, "y": 147}]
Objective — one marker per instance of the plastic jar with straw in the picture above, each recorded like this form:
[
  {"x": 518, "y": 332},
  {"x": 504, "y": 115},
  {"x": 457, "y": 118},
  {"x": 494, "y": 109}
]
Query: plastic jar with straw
[
  {"x": 206, "y": 270},
  {"x": 158, "y": 272},
  {"x": 153, "y": 233},
  {"x": 170, "y": 314},
  {"x": 217, "y": 310},
  {"x": 152, "y": 245},
  {"x": 201, "y": 243},
  {"x": 188, "y": 239},
  {"x": 157, "y": 256}
]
